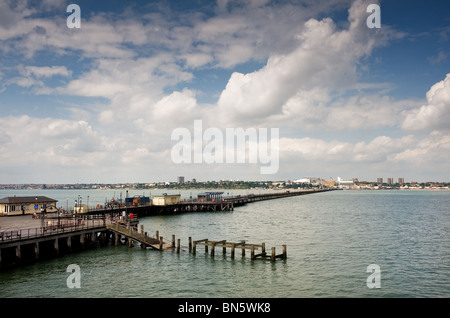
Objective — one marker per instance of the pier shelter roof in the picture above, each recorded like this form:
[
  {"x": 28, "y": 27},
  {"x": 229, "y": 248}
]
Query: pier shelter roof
[{"x": 27, "y": 200}]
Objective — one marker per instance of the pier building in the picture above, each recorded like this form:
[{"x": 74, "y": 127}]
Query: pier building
[
  {"x": 166, "y": 199},
  {"x": 26, "y": 205},
  {"x": 209, "y": 196}
]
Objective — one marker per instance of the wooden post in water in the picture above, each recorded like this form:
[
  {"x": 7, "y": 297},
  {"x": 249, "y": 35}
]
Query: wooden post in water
[
  {"x": 161, "y": 243},
  {"x": 157, "y": 235},
  {"x": 232, "y": 251},
  {"x": 252, "y": 253},
  {"x": 272, "y": 258},
  {"x": 284, "y": 251},
  {"x": 194, "y": 248},
  {"x": 178, "y": 246},
  {"x": 206, "y": 246},
  {"x": 173, "y": 240},
  {"x": 142, "y": 228},
  {"x": 190, "y": 244}
]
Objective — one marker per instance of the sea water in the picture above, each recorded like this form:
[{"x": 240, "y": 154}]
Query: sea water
[{"x": 331, "y": 240}]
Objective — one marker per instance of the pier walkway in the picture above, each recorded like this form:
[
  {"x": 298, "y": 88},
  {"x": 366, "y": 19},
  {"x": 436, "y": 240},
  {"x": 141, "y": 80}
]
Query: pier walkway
[{"x": 141, "y": 237}]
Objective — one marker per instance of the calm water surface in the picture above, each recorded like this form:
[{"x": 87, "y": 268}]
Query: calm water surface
[{"x": 331, "y": 238}]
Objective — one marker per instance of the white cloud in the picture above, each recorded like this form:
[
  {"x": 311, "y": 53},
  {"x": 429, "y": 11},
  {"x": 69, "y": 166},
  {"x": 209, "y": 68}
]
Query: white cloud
[
  {"x": 321, "y": 59},
  {"x": 313, "y": 149},
  {"x": 436, "y": 113},
  {"x": 141, "y": 70},
  {"x": 46, "y": 71},
  {"x": 431, "y": 152}
]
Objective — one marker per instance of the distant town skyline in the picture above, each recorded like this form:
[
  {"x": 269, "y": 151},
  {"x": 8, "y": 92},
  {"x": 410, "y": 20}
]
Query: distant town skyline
[
  {"x": 100, "y": 101},
  {"x": 205, "y": 183}
]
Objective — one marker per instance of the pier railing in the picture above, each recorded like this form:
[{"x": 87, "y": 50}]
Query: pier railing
[{"x": 55, "y": 227}]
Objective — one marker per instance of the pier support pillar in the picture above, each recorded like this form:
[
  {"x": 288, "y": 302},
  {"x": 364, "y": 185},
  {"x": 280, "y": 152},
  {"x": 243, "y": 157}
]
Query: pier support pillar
[
  {"x": 56, "y": 246},
  {"x": 82, "y": 238},
  {"x": 18, "y": 252},
  {"x": 36, "y": 250},
  {"x": 232, "y": 251},
  {"x": 173, "y": 240},
  {"x": 69, "y": 243},
  {"x": 194, "y": 248},
  {"x": 284, "y": 251},
  {"x": 178, "y": 246},
  {"x": 272, "y": 257},
  {"x": 116, "y": 238},
  {"x": 190, "y": 244},
  {"x": 161, "y": 243}
]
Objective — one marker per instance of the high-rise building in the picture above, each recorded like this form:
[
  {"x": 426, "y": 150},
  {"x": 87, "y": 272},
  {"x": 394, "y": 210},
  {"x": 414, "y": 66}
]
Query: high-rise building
[
  {"x": 401, "y": 180},
  {"x": 380, "y": 181},
  {"x": 390, "y": 180},
  {"x": 180, "y": 180}
]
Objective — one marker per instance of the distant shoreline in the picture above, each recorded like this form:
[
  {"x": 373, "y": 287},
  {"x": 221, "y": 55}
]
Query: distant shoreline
[{"x": 357, "y": 188}]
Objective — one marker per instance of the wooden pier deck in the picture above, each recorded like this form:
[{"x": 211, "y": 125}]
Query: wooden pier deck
[{"x": 141, "y": 237}]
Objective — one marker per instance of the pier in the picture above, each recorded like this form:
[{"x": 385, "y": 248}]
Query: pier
[
  {"x": 240, "y": 245},
  {"x": 33, "y": 244},
  {"x": 131, "y": 234},
  {"x": 221, "y": 205},
  {"x": 62, "y": 235}
]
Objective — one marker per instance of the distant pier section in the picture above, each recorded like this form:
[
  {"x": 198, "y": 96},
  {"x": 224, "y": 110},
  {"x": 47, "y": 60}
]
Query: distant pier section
[{"x": 205, "y": 202}]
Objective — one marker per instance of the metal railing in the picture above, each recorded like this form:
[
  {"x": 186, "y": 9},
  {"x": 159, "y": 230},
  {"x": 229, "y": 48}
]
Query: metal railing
[{"x": 55, "y": 227}]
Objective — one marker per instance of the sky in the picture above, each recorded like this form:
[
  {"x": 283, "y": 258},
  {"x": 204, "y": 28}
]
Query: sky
[{"x": 327, "y": 95}]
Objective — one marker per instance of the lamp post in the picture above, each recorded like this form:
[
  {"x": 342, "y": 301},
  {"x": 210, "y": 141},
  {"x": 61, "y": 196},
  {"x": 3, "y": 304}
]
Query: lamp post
[{"x": 77, "y": 205}]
